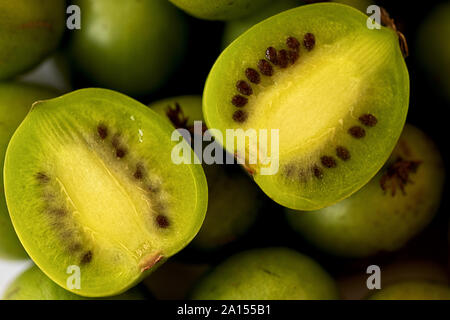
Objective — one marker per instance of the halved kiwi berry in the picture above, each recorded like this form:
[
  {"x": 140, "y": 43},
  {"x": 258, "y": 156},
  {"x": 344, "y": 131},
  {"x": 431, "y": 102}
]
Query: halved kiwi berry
[
  {"x": 33, "y": 284},
  {"x": 234, "y": 201},
  {"x": 15, "y": 101},
  {"x": 90, "y": 182},
  {"x": 336, "y": 91},
  {"x": 387, "y": 212}
]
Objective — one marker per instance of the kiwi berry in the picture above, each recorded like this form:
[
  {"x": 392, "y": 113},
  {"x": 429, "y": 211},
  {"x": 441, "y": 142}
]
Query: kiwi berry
[
  {"x": 266, "y": 274},
  {"x": 134, "y": 55},
  {"x": 392, "y": 208},
  {"x": 90, "y": 174},
  {"x": 413, "y": 290},
  {"x": 329, "y": 94},
  {"x": 236, "y": 27},
  {"x": 33, "y": 284},
  {"x": 219, "y": 9},
  {"x": 174, "y": 279},
  {"x": 15, "y": 101},
  {"x": 433, "y": 47},
  {"x": 234, "y": 201},
  {"x": 29, "y": 31}
]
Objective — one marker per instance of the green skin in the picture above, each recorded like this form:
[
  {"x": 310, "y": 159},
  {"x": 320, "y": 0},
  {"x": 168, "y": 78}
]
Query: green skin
[
  {"x": 117, "y": 247},
  {"x": 385, "y": 93},
  {"x": 134, "y": 56},
  {"x": 33, "y": 284},
  {"x": 373, "y": 220},
  {"x": 219, "y": 9},
  {"x": 433, "y": 51},
  {"x": 29, "y": 31},
  {"x": 15, "y": 102},
  {"x": 413, "y": 290},
  {"x": 233, "y": 198},
  {"x": 267, "y": 274},
  {"x": 235, "y": 28}
]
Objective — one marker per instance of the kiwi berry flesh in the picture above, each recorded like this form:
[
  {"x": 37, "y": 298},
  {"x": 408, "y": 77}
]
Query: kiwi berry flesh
[
  {"x": 33, "y": 284},
  {"x": 135, "y": 56},
  {"x": 391, "y": 209},
  {"x": 433, "y": 47},
  {"x": 336, "y": 90},
  {"x": 90, "y": 175},
  {"x": 413, "y": 290},
  {"x": 15, "y": 101},
  {"x": 236, "y": 27},
  {"x": 174, "y": 279},
  {"x": 29, "y": 31},
  {"x": 234, "y": 200},
  {"x": 266, "y": 274},
  {"x": 219, "y": 9}
]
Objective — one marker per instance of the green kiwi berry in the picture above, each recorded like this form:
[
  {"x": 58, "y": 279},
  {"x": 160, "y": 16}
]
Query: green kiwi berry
[
  {"x": 413, "y": 290},
  {"x": 433, "y": 47},
  {"x": 391, "y": 209},
  {"x": 129, "y": 46},
  {"x": 33, "y": 284},
  {"x": 29, "y": 31},
  {"x": 329, "y": 94},
  {"x": 91, "y": 175},
  {"x": 236, "y": 27},
  {"x": 234, "y": 201},
  {"x": 220, "y": 9},
  {"x": 15, "y": 102},
  {"x": 174, "y": 279},
  {"x": 266, "y": 274}
]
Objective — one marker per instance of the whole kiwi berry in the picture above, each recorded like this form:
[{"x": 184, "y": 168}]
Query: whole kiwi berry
[
  {"x": 29, "y": 31},
  {"x": 220, "y": 9},
  {"x": 391, "y": 209},
  {"x": 15, "y": 101},
  {"x": 234, "y": 201},
  {"x": 130, "y": 46},
  {"x": 33, "y": 284},
  {"x": 266, "y": 274},
  {"x": 90, "y": 181},
  {"x": 319, "y": 108}
]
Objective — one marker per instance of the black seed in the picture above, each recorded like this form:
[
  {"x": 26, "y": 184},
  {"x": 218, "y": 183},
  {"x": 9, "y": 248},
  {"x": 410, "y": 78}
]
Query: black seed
[
  {"x": 292, "y": 56},
  {"x": 87, "y": 257},
  {"x": 162, "y": 221},
  {"x": 357, "y": 132},
  {"x": 102, "y": 131},
  {"x": 328, "y": 162},
  {"x": 252, "y": 75},
  {"x": 139, "y": 173},
  {"x": 271, "y": 55},
  {"x": 293, "y": 43},
  {"x": 239, "y": 101},
  {"x": 120, "y": 152},
  {"x": 283, "y": 59},
  {"x": 244, "y": 88},
  {"x": 42, "y": 177},
  {"x": 240, "y": 116},
  {"x": 369, "y": 120},
  {"x": 318, "y": 173},
  {"x": 265, "y": 68},
  {"x": 343, "y": 153},
  {"x": 309, "y": 41}
]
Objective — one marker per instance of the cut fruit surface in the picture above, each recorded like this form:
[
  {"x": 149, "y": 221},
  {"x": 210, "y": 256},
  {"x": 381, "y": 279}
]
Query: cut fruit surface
[
  {"x": 90, "y": 175},
  {"x": 334, "y": 91}
]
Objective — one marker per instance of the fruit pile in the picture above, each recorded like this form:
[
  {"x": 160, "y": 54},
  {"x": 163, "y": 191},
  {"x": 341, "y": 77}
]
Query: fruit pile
[{"x": 245, "y": 149}]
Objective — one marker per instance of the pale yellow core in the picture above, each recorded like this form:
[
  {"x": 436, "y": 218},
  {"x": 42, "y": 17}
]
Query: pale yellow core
[
  {"x": 112, "y": 209},
  {"x": 308, "y": 101}
]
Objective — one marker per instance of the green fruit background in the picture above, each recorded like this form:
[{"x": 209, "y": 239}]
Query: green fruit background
[{"x": 160, "y": 52}]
